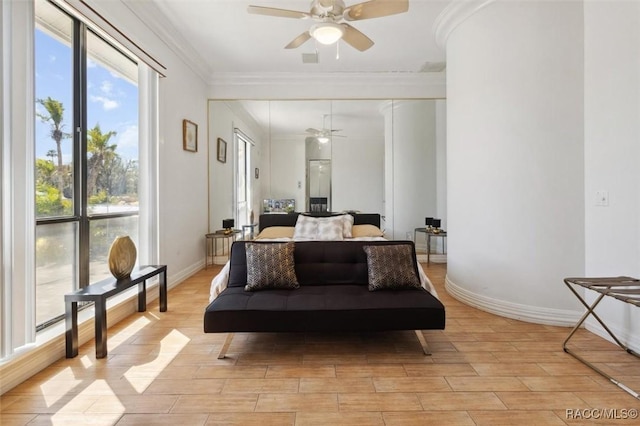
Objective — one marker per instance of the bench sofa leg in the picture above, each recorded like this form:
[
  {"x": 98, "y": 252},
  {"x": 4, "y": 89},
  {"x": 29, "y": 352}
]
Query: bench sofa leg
[
  {"x": 423, "y": 342},
  {"x": 225, "y": 346}
]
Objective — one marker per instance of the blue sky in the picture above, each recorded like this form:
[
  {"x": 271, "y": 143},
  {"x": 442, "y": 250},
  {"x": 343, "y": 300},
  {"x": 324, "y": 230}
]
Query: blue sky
[{"x": 111, "y": 100}]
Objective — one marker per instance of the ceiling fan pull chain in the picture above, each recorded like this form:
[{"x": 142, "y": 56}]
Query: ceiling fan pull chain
[{"x": 338, "y": 50}]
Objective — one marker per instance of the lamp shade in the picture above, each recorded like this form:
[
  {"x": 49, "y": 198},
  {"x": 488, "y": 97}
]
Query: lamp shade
[
  {"x": 327, "y": 32},
  {"x": 428, "y": 221},
  {"x": 228, "y": 223}
]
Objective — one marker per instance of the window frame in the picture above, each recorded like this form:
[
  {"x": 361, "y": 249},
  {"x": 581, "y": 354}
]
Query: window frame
[
  {"x": 242, "y": 138},
  {"x": 79, "y": 139}
]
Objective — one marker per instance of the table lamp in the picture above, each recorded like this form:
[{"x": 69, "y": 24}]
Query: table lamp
[
  {"x": 436, "y": 226},
  {"x": 228, "y": 224},
  {"x": 428, "y": 221}
]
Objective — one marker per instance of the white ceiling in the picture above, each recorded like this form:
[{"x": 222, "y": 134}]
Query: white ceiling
[
  {"x": 221, "y": 37},
  {"x": 290, "y": 118},
  {"x": 230, "y": 40}
]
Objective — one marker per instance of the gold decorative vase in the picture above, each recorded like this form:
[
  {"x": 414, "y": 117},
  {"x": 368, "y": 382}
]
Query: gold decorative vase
[{"x": 122, "y": 257}]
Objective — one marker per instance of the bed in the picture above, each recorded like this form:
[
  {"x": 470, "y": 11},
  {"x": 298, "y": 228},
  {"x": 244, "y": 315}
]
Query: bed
[{"x": 285, "y": 227}]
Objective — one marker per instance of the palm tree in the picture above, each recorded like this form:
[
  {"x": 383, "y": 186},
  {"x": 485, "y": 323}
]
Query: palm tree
[
  {"x": 55, "y": 116},
  {"x": 101, "y": 155},
  {"x": 52, "y": 154}
]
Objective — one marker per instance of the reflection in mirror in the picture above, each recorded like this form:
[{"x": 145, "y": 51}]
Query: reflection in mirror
[
  {"x": 384, "y": 156},
  {"x": 319, "y": 185}
]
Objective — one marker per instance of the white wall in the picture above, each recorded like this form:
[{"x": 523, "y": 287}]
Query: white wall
[
  {"x": 515, "y": 165},
  {"x": 411, "y": 166},
  {"x": 224, "y": 117},
  {"x": 612, "y": 154},
  {"x": 441, "y": 163},
  {"x": 287, "y": 169},
  {"x": 357, "y": 178}
]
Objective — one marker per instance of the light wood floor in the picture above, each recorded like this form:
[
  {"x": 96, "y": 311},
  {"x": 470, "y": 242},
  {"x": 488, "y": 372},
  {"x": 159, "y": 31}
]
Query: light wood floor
[{"x": 485, "y": 370}]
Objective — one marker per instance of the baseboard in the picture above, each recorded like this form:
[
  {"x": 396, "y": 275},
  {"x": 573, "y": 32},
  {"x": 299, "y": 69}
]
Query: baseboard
[
  {"x": 528, "y": 313},
  {"x": 50, "y": 345},
  {"x": 632, "y": 341}
]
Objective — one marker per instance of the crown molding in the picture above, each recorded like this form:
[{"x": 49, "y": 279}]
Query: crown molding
[
  {"x": 332, "y": 85},
  {"x": 453, "y": 15},
  {"x": 162, "y": 27}
]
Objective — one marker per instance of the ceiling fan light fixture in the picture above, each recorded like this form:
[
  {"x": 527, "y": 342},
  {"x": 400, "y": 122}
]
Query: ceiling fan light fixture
[
  {"x": 327, "y": 32},
  {"x": 323, "y": 139}
]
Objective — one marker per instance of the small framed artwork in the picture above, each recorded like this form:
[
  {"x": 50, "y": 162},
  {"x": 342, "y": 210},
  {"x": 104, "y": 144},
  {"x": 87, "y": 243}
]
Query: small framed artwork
[
  {"x": 189, "y": 136},
  {"x": 222, "y": 150},
  {"x": 257, "y": 173}
]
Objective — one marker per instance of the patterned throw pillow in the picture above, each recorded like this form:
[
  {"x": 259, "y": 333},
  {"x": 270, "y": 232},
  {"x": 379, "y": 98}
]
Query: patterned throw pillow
[
  {"x": 391, "y": 267},
  {"x": 330, "y": 228},
  {"x": 270, "y": 265},
  {"x": 306, "y": 228}
]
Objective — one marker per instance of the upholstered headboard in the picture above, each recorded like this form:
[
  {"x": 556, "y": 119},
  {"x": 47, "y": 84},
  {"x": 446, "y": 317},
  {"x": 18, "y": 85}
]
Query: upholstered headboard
[{"x": 289, "y": 219}]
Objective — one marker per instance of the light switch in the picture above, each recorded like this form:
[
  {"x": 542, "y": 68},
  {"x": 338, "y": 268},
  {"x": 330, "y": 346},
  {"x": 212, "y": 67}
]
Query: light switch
[{"x": 602, "y": 198}]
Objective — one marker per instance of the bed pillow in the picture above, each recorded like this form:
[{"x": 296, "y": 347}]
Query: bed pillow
[
  {"x": 347, "y": 226},
  {"x": 306, "y": 228},
  {"x": 276, "y": 232},
  {"x": 325, "y": 228},
  {"x": 359, "y": 231},
  {"x": 270, "y": 265},
  {"x": 391, "y": 267},
  {"x": 330, "y": 228}
]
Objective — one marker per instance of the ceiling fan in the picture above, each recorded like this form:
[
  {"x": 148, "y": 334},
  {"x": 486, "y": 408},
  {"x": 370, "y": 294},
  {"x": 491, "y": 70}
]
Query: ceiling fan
[
  {"x": 324, "y": 135},
  {"x": 330, "y": 16}
]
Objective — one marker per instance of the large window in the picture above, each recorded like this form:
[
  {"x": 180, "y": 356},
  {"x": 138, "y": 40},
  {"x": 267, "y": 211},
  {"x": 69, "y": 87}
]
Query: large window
[{"x": 86, "y": 155}]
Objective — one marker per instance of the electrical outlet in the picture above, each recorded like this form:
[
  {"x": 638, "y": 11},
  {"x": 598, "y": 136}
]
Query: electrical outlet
[{"x": 602, "y": 198}]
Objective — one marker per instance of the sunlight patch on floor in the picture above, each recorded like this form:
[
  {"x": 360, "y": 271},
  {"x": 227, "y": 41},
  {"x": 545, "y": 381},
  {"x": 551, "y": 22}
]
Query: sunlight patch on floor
[
  {"x": 58, "y": 386},
  {"x": 139, "y": 376}
]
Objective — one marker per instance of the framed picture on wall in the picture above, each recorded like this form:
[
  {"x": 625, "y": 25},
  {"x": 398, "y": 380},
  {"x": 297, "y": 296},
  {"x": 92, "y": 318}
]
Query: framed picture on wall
[
  {"x": 189, "y": 136},
  {"x": 222, "y": 150}
]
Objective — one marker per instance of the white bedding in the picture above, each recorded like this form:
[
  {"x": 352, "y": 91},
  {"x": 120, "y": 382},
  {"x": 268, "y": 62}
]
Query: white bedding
[{"x": 219, "y": 282}]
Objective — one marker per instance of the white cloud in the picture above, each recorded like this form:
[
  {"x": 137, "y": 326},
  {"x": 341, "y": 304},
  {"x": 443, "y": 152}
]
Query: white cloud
[
  {"x": 107, "y": 104},
  {"x": 52, "y": 59},
  {"x": 128, "y": 137},
  {"x": 91, "y": 64},
  {"x": 106, "y": 87},
  {"x": 127, "y": 141}
]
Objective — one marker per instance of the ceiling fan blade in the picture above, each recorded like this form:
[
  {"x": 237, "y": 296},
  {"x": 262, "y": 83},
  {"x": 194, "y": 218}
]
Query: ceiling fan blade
[
  {"x": 281, "y": 13},
  {"x": 312, "y": 130},
  {"x": 356, "y": 38},
  {"x": 298, "y": 41},
  {"x": 375, "y": 9}
]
